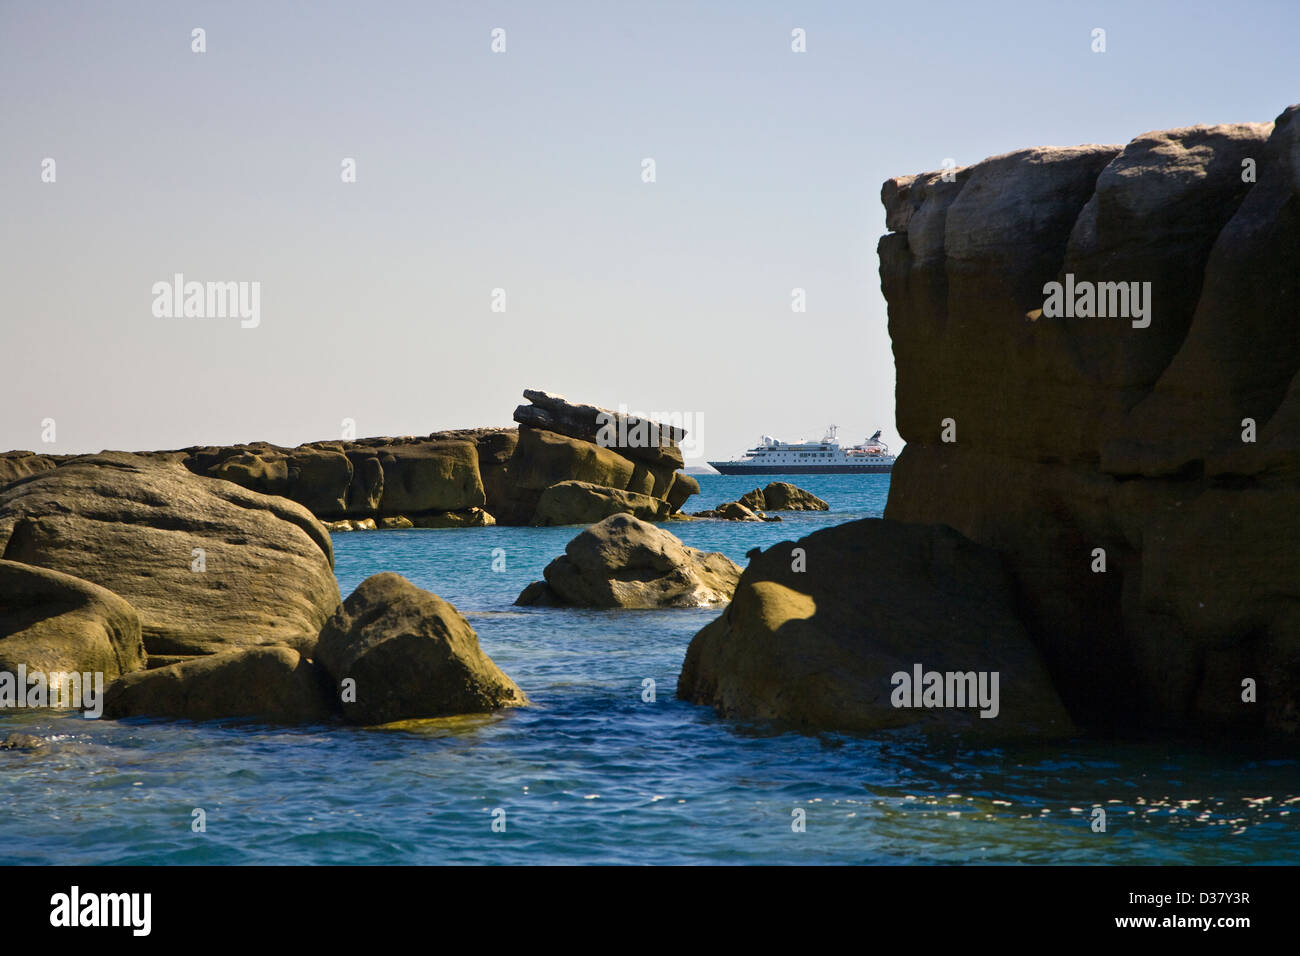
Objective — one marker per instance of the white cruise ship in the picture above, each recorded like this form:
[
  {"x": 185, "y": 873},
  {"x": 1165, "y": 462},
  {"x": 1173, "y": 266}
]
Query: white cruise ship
[{"x": 825, "y": 457}]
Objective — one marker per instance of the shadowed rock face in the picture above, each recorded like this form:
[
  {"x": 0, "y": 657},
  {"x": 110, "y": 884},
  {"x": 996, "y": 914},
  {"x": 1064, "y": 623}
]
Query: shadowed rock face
[
  {"x": 814, "y": 639},
  {"x": 628, "y": 563},
  {"x": 410, "y": 654},
  {"x": 1074, "y": 434},
  {"x": 53, "y": 622},
  {"x": 273, "y": 684},
  {"x": 208, "y": 565}
]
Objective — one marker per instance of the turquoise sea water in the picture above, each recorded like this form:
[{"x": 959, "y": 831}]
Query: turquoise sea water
[{"x": 592, "y": 773}]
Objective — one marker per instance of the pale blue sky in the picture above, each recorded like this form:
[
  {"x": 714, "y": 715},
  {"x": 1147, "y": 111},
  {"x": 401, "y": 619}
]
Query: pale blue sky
[{"x": 522, "y": 171}]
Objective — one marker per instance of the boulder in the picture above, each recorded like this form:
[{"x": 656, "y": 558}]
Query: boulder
[
  {"x": 267, "y": 472},
  {"x": 544, "y": 458},
  {"x": 396, "y": 522},
  {"x": 624, "y": 562},
  {"x": 272, "y": 684},
  {"x": 431, "y": 476},
  {"x": 208, "y": 565},
  {"x": 54, "y": 622},
  {"x": 411, "y": 655},
  {"x": 815, "y": 637},
  {"x": 783, "y": 496},
  {"x": 580, "y": 502}
]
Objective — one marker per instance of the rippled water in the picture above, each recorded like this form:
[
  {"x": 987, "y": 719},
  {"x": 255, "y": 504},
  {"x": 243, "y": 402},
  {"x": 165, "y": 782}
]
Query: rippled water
[{"x": 592, "y": 773}]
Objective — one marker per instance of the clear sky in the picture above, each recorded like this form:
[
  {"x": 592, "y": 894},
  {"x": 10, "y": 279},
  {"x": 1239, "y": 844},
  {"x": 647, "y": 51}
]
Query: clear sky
[{"x": 522, "y": 171}]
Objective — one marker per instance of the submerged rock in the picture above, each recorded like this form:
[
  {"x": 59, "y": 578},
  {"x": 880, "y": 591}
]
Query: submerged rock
[
  {"x": 624, "y": 562},
  {"x": 408, "y": 654},
  {"x": 27, "y": 743},
  {"x": 818, "y": 629},
  {"x": 735, "y": 511}
]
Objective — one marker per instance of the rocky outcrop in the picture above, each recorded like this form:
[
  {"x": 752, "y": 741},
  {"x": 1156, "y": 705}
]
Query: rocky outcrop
[
  {"x": 632, "y": 436},
  {"x": 580, "y": 502},
  {"x": 735, "y": 511},
  {"x": 395, "y": 652},
  {"x": 1148, "y": 529},
  {"x": 54, "y": 622},
  {"x": 624, "y": 562},
  {"x": 208, "y": 566},
  {"x": 819, "y": 630},
  {"x": 271, "y": 684},
  {"x": 450, "y": 478},
  {"x": 782, "y": 496},
  {"x": 683, "y": 487},
  {"x": 564, "y": 441}
]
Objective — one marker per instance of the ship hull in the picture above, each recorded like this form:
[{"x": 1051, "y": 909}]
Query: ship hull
[{"x": 732, "y": 468}]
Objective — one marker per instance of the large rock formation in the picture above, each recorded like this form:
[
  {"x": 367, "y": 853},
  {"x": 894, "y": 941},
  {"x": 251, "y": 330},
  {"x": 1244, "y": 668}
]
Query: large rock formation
[
  {"x": 208, "y": 565},
  {"x": 563, "y": 441},
  {"x": 819, "y": 629},
  {"x": 628, "y": 563},
  {"x": 53, "y": 622},
  {"x": 1148, "y": 526},
  {"x": 408, "y": 654}
]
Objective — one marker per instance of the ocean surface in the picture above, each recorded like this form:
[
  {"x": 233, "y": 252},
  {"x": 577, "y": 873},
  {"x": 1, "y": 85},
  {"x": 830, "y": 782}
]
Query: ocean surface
[{"x": 593, "y": 773}]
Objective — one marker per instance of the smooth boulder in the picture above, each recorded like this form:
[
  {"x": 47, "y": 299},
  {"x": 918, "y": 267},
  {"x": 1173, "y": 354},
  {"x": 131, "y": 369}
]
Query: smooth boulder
[
  {"x": 818, "y": 629},
  {"x": 208, "y": 565},
  {"x": 54, "y": 622},
  {"x": 408, "y": 654},
  {"x": 624, "y": 562}
]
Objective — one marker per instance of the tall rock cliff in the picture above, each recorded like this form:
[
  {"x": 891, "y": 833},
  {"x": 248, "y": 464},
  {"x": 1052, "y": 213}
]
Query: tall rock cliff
[{"x": 1075, "y": 442}]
